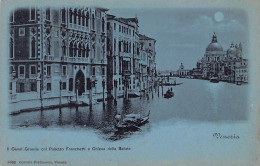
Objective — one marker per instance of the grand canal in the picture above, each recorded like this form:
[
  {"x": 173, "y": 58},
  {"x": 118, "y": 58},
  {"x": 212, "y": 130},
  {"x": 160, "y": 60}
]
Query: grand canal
[{"x": 194, "y": 101}]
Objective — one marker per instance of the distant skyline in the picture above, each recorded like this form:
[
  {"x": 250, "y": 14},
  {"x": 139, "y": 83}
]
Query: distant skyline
[{"x": 182, "y": 35}]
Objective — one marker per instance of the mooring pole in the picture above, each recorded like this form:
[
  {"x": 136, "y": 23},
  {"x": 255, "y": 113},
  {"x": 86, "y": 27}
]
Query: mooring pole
[{"x": 60, "y": 94}]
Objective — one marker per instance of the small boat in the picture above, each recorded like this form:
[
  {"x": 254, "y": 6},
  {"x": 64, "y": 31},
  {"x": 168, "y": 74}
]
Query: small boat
[
  {"x": 168, "y": 94},
  {"x": 131, "y": 122},
  {"x": 171, "y": 84},
  {"x": 214, "y": 79}
]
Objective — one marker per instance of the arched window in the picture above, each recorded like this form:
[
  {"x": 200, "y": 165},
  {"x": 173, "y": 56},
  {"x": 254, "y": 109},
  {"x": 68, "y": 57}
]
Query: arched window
[
  {"x": 103, "y": 52},
  {"x": 33, "y": 47},
  {"x": 63, "y": 48},
  {"x": 48, "y": 46},
  {"x": 71, "y": 49},
  {"x": 114, "y": 44},
  {"x": 63, "y": 15},
  {"x": 79, "y": 50},
  {"x": 93, "y": 22},
  {"x": 119, "y": 46},
  {"x": 75, "y": 49},
  {"x": 11, "y": 48},
  {"x": 127, "y": 46},
  {"x": 79, "y": 18},
  {"x": 133, "y": 48},
  {"x": 103, "y": 25},
  {"x": 83, "y": 51},
  {"x": 83, "y": 18},
  {"x": 87, "y": 51},
  {"x": 75, "y": 16},
  {"x": 87, "y": 19},
  {"x": 71, "y": 15},
  {"x": 93, "y": 51}
]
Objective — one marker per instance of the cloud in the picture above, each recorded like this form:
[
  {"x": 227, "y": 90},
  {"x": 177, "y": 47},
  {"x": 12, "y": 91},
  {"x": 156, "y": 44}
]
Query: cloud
[
  {"x": 206, "y": 24},
  {"x": 232, "y": 25}
]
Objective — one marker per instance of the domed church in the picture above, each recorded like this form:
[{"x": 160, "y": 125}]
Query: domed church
[{"x": 227, "y": 65}]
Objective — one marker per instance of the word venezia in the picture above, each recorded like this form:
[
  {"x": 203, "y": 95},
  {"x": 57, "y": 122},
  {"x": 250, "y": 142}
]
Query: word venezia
[{"x": 220, "y": 136}]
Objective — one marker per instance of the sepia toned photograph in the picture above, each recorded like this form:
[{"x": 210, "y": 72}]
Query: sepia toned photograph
[{"x": 109, "y": 85}]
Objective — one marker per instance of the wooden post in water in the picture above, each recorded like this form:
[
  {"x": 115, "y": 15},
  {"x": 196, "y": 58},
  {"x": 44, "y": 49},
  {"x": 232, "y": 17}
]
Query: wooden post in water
[
  {"x": 162, "y": 88},
  {"x": 60, "y": 94},
  {"x": 115, "y": 86}
]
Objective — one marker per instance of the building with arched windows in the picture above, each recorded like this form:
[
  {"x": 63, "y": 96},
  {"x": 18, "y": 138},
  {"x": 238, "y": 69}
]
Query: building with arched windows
[
  {"x": 57, "y": 53},
  {"x": 227, "y": 65}
]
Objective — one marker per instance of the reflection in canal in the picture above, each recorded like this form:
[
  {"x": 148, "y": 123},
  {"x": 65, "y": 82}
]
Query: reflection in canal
[{"x": 194, "y": 100}]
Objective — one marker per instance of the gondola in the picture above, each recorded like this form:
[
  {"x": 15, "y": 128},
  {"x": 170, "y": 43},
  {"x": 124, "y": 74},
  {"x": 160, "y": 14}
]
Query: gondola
[
  {"x": 168, "y": 94},
  {"x": 132, "y": 122},
  {"x": 214, "y": 79}
]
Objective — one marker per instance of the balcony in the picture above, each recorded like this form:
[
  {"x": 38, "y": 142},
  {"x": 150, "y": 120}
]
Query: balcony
[
  {"x": 126, "y": 72},
  {"x": 126, "y": 54},
  {"x": 49, "y": 58},
  {"x": 78, "y": 27},
  {"x": 64, "y": 59},
  {"x": 78, "y": 60}
]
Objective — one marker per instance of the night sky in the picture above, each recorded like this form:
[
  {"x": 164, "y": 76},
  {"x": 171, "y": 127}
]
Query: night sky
[{"x": 182, "y": 35}]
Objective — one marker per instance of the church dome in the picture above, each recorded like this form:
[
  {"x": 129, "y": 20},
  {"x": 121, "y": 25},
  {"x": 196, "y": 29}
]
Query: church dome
[
  {"x": 232, "y": 50},
  {"x": 214, "y": 45}
]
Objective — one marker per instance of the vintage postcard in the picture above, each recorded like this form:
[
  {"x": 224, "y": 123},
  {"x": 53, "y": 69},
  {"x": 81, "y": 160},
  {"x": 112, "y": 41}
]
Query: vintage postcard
[{"x": 133, "y": 83}]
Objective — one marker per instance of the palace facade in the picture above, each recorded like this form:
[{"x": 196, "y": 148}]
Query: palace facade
[{"x": 74, "y": 55}]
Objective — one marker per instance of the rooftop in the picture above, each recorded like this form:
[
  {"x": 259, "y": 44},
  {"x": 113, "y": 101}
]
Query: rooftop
[{"x": 143, "y": 37}]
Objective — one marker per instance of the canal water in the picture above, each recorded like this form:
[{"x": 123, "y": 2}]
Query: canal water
[{"x": 193, "y": 101}]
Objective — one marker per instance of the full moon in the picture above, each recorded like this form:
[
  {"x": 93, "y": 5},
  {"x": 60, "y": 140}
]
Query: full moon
[{"x": 219, "y": 16}]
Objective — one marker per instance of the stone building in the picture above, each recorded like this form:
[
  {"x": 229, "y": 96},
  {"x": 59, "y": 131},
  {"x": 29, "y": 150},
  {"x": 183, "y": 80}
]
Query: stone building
[
  {"x": 182, "y": 72},
  {"x": 132, "y": 58},
  {"x": 147, "y": 65},
  {"x": 224, "y": 64},
  {"x": 57, "y": 47}
]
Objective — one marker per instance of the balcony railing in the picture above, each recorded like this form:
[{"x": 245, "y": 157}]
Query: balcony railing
[
  {"x": 49, "y": 58},
  {"x": 126, "y": 72}
]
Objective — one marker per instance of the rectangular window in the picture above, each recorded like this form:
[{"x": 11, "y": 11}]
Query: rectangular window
[
  {"x": 64, "y": 86},
  {"x": 48, "y": 86},
  {"x": 103, "y": 71},
  {"x": 21, "y": 71},
  {"x": 10, "y": 86},
  {"x": 32, "y": 14},
  {"x": 150, "y": 44},
  {"x": 48, "y": 70},
  {"x": 11, "y": 68},
  {"x": 63, "y": 15},
  {"x": 48, "y": 14},
  {"x": 21, "y": 31},
  {"x": 33, "y": 86},
  {"x": 114, "y": 26},
  {"x": 32, "y": 70},
  {"x": 70, "y": 84},
  {"x": 12, "y": 17},
  {"x": 21, "y": 86},
  {"x": 93, "y": 71},
  {"x": 119, "y": 28},
  {"x": 64, "y": 70}
]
